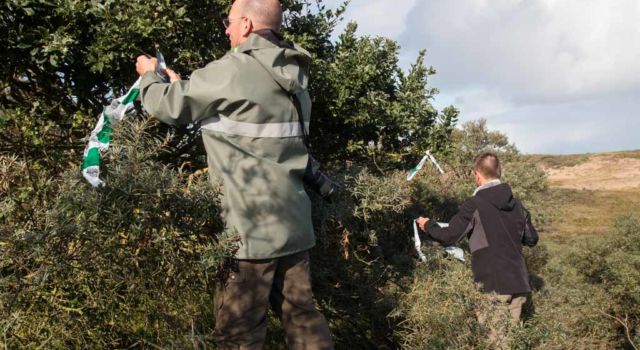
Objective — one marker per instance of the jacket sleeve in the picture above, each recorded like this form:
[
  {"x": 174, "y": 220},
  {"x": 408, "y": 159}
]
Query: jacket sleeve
[
  {"x": 459, "y": 226},
  {"x": 530, "y": 236},
  {"x": 187, "y": 101}
]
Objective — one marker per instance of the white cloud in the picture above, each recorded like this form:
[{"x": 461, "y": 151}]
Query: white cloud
[
  {"x": 558, "y": 76},
  {"x": 609, "y": 123},
  {"x": 481, "y": 103},
  {"x": 377, "y": 17},
  {"x": 537, "y": 51}
]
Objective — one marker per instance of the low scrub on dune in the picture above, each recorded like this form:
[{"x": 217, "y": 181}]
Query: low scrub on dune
[
  {"x": 585, "y": 297},
  {"x": 590, "y": 294},
  {"x": 366, "y": 275},
  {"x": 130, "y": 264}
]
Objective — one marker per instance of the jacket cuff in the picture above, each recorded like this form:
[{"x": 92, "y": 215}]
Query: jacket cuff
[
  {"x": 431, "y": 224},
  {"x": 149, "y": 78}
]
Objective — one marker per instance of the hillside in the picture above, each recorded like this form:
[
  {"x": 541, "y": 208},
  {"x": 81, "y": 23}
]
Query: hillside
[{"x": 591, "y": 190}]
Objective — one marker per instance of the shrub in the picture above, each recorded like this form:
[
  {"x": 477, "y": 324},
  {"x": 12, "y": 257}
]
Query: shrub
[
  {"x": 613, "y": 264},
  {"x": 439, "y": 309},
  {"x": 364, "y": 268},
  {"x": 589, "y": 298},
  {"x": 129, "y": 264}
]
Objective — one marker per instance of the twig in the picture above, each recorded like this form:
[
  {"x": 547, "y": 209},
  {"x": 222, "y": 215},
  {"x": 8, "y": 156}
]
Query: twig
[
  {"x": 368, "y": 263},
  {"x": 625, "y": 325}
]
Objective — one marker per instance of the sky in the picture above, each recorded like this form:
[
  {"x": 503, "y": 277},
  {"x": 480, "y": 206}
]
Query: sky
[{"x": 557, "y": 76}]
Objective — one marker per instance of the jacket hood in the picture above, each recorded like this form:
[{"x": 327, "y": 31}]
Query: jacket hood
[
  {"x": 500, "y": 196},
  {"x": 287, "y": 63}
]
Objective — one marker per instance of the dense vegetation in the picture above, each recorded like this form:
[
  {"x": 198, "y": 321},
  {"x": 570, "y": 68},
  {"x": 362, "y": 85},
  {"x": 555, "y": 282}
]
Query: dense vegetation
[{"x": 132, "y": 264}]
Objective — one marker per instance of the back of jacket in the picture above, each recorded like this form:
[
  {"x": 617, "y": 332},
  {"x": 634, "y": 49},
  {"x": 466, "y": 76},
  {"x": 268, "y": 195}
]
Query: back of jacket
[
  {"x": 252, "y": 136},
  {"x": 497, "y": 226}
]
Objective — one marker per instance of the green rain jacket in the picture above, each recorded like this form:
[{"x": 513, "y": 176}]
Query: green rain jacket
[{"x": 252, "y": 137}]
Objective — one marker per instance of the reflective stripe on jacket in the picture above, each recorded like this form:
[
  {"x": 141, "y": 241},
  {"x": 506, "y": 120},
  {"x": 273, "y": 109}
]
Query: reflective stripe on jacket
[{"x": 252, "y": 136}]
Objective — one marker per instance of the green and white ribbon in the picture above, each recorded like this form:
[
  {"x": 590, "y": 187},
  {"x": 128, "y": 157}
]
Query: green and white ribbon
[{"x": 101, "y": 134}]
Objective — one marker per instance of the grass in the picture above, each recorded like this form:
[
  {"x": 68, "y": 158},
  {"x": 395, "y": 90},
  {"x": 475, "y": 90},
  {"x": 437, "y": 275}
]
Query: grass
[
  {"x": 559, "y": 161},
  {"x": 586, "y": 212},
  {"x": 568, "y": 160},
  {"x": 624, "y": 154}
]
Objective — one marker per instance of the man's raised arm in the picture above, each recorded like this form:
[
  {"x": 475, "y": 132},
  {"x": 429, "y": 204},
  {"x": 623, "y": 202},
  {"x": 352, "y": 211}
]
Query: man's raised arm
[{"x": 184, "y": 101}]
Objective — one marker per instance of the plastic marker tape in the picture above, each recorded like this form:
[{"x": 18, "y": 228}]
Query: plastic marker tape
[
  {"x": 417, "y": 243},
  {"x": 417, "y": 168},
  {"x": 435, "y": 162},
  {"x": 454, "y": 251}
]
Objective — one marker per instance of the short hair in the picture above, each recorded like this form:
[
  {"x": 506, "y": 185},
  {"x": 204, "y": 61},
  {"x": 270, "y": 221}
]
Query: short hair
[
  {"x": 264, "y": 13},
  {"x": 488, "y": 165}
]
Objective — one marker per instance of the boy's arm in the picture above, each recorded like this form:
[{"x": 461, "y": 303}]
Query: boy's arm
[
  {"x": 459, "y": 226},
  {"x": 530, "y": 237}
]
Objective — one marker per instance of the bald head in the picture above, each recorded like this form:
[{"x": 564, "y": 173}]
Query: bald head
[{"x": 264, "y": 14}]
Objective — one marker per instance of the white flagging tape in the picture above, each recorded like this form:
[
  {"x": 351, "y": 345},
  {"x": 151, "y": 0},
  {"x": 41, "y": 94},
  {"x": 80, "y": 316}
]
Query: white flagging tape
[
  {"x": 417, "y": 168},
  {"x": 454, "y": 251},
  {"x": 435, "y": 162},
  {"x": 451, "y": 250},
  {"x": 417, "y": 243}
]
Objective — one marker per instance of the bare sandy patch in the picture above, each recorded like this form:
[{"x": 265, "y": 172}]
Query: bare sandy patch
[{"x": 600, "y": 172}]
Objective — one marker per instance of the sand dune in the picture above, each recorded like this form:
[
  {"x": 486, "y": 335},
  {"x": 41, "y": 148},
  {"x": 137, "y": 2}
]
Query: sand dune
[{"x": 599, "y": 172}]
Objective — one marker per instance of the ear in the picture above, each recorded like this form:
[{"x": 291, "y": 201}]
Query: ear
[{"x": 247, "y": 26}]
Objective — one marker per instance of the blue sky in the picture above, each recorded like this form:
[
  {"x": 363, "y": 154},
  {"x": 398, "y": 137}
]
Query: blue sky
[{"x": 557, "y": 76}]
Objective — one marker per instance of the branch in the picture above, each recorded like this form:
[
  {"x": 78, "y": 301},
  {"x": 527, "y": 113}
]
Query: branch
[{"x": 624, "y": 325}]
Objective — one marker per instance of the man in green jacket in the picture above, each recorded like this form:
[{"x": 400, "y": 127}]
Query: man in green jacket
[{"x": 253, "y": 139}]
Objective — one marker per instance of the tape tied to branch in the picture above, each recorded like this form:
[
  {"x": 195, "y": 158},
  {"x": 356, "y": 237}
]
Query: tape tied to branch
[
  {"x": 454, "y": 251},
  {"x": 412, "y": 173}
]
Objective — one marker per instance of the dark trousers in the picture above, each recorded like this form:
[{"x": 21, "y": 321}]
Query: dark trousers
[{"x": 285, "y": 283}]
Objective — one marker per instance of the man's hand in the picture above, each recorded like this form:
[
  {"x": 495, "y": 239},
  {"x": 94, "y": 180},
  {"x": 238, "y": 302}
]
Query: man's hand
[
  {"x": 421, "y": 221},
  {"x": 173, "y": 76},
  {"x": 145, "y": 64}
]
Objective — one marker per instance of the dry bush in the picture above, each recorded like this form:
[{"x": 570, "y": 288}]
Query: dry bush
[
  {"x": 365, "y": 273},
  {"x": 612, "y": 265},
  {"x": 126, "y": 265},
  {"x": 590, "y": 295},
  {"x": 438, "y": 311}
]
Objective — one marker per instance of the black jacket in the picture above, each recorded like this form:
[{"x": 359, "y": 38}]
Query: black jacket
[{"x": 497, "y": 226}]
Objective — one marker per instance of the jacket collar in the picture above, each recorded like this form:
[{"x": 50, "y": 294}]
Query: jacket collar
[
  {"x": 262, "y": 39},
  {"x": 488, "y": 184}
]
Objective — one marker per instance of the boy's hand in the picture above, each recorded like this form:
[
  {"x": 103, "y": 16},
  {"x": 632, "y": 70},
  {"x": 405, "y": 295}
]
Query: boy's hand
[{"x": 422, "y": 221}]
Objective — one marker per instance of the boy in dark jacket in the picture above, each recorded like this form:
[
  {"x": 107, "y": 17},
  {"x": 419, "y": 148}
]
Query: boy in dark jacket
[{"x": 497, "y": 225}]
